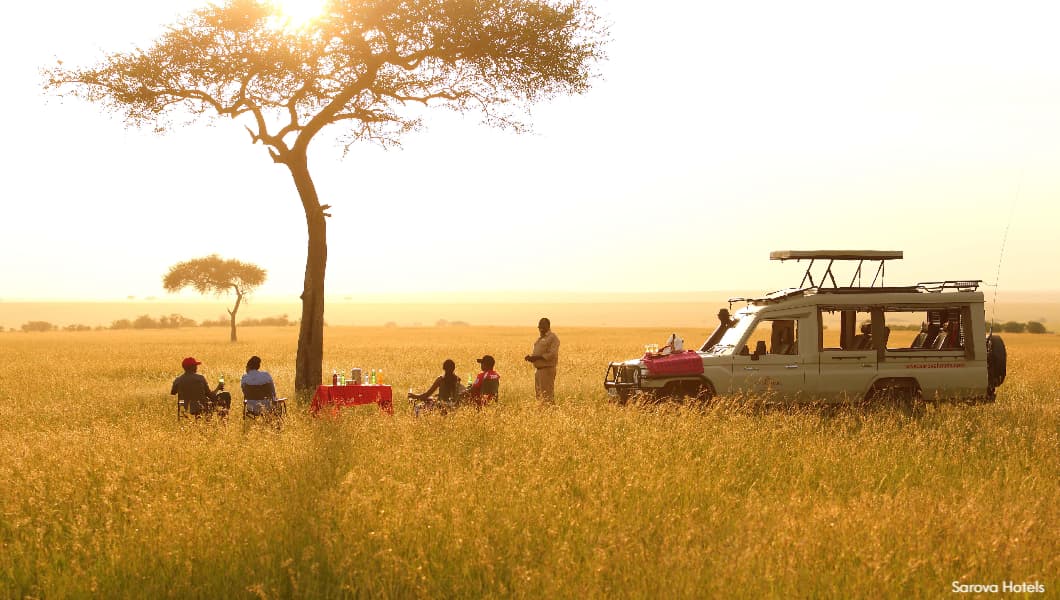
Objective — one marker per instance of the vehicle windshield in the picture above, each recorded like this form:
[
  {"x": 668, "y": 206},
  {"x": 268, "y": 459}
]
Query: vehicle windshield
[{"x": 728, "y": 341}]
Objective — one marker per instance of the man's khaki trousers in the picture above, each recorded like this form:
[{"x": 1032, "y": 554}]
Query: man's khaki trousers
[{"x": 545, "y": 384}]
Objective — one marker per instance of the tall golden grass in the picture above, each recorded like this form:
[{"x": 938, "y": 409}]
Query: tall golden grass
[{"x": 103, "y": 494}]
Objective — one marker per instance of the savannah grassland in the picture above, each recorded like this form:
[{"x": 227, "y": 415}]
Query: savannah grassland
[{"x": 102, "y": 494}]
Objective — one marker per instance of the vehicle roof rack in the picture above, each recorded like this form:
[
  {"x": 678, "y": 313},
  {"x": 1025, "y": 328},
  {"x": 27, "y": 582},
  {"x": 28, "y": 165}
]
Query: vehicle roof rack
[
  {"x": 836, "y": 254},
  {"x": 962, "y": 285},
  {"x": 833, "y": 255}
]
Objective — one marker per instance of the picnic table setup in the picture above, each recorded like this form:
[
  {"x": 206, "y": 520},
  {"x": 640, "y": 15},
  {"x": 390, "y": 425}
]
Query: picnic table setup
[{"x": 353, "y": 392}]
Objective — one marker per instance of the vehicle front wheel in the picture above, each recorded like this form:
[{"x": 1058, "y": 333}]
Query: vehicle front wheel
[{"x": 695, "y": 391}]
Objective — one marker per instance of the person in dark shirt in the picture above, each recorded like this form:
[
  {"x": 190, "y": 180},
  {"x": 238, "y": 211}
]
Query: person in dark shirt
[
  {"x": 448, "y": 387},
  {"x": 192, "y": 388}
]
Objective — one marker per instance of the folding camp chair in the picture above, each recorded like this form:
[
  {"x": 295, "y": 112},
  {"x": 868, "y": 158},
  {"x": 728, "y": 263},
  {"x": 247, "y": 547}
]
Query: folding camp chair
[{"x": 258, "y": 404}]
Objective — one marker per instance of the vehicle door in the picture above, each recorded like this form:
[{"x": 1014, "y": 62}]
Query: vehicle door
[
  {"x": 847, "y": 356},
  {"x": 769, "y": 362}
]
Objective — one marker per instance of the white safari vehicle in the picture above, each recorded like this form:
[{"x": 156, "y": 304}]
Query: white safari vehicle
[{"x": 826, "y": 342}]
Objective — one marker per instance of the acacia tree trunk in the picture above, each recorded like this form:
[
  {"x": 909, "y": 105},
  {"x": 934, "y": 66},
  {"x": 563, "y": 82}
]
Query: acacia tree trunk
[
  {"x": 235, "y": 309},
  {"x": 310, "y": 356}
]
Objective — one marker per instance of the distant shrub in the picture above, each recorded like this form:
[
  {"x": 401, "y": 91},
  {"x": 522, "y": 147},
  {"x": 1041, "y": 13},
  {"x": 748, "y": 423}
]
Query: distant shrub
[
  {"x": 78, "y": 327},
  {"x": 1036, "y": 327},
  {"x": 280, "y": 321},
  {"x": 121, "y": 324},
  {"x": 218, "y": 322},
  {"x": 171, "y": 321},
  {"x": 390, "y": 324},
  {"x": 174, "y": 321},
  {"x": 38, "y": 326},
  {"x": 1014, "y": 327},
  {"x": 445, "y": 323}
]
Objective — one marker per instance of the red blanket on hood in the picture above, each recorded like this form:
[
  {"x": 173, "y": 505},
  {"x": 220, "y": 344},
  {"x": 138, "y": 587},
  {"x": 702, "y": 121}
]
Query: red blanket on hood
[{"x": 679, "y": 363}]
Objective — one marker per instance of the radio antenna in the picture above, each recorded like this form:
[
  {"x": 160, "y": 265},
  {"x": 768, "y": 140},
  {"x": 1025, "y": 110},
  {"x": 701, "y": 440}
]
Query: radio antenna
[{"x": 1001, "y": 254}]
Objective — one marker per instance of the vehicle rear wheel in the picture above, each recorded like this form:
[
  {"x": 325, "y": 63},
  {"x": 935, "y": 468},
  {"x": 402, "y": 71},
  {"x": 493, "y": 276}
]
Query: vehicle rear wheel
[{"x": 996, "y": 364}]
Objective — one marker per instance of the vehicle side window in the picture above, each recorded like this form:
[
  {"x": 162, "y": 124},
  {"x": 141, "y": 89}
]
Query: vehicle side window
[
  {"x": 773, "y": 337},
  {"x": 845, "y": 329},
  {"x": 941, "y": 329}
]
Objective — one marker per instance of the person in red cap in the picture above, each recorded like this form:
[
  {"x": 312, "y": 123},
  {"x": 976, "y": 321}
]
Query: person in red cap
[
  {"x": 193, "y": 389},
  {"x": 486, "y": 386}
]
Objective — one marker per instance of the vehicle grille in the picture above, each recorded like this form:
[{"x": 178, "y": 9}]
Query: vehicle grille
[{"x": 627, "y": 374}]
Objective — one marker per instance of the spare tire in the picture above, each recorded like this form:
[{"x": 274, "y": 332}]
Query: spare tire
[{"x": 996, "y": 361}]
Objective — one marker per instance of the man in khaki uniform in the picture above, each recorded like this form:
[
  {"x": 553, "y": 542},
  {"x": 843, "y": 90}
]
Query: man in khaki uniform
[{"x": 545, "y": 357}]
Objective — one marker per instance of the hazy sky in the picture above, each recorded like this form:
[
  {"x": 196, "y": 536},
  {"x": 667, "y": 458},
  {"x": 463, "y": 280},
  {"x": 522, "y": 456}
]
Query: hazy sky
[{"x": 718, "y": 132}]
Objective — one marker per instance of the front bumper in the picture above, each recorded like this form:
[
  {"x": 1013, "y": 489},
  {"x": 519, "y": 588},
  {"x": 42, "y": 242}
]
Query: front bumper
[{"x": 622, "y": 380}]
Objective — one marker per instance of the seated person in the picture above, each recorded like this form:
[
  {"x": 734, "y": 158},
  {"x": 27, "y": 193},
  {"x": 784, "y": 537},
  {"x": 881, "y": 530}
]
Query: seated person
[
  {"x": 191, "y": 387},
  {"x": 256, "y": 401},
  {"x": 782, "y": 338},
  {"x": 486, "y": 386},
  {"x": 448, "y": 387},
  {"x": 933, "y": 331}
]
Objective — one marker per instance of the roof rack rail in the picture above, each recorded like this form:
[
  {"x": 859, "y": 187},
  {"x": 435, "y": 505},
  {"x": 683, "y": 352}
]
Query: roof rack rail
[
  {"x": 961, "y": 285},
  {"x": 835, "y": 254},
  {"x": 882, "y": 256},
  {"x": 776, "y": 296}
]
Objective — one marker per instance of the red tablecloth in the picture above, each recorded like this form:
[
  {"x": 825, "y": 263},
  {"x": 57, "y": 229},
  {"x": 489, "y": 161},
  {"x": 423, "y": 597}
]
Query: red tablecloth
[
  {"x": 678, "y": 363},
  {"x": 337, "y": 396}
]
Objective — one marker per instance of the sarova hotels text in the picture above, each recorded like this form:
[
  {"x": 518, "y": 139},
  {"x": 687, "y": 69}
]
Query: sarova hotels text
[{"x": 1013, "y": 587}]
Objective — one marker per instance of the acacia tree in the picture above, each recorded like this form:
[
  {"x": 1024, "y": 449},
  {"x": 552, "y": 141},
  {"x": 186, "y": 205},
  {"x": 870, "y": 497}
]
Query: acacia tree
[
  {"x": 367, "y": 67},
  {"x": 215, "y": 275}
]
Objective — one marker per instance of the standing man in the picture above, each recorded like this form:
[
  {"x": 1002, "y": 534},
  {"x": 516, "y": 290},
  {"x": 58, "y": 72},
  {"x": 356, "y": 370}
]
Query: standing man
[{"x": 545, "y": 357}]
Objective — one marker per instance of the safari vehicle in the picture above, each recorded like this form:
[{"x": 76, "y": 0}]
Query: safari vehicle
[{"x": 826, "y": 342}]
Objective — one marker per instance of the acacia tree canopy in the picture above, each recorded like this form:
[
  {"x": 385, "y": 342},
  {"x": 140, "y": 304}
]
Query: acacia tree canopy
[
  {"x": 367, "y": 67},
  {"x": 215, "y": 275},
  {"x": 361, "y": 63}
]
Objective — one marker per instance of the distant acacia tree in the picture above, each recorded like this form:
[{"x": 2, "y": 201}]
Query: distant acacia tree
[
  {"x": 215, "y": 275},
  {"x": 367, "y": 67}
]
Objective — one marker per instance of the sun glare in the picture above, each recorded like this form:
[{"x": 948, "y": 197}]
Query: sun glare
[{"x": 297, "y": 13}]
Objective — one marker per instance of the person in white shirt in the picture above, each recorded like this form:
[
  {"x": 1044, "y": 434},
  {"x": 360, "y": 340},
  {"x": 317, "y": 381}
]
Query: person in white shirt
[{"x": 255, "y": 376}]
